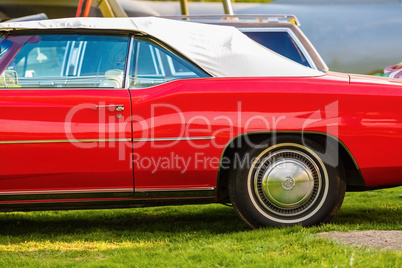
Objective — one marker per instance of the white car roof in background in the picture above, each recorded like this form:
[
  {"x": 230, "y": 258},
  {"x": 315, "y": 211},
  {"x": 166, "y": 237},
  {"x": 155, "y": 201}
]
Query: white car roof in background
[{"x": 221, "y": 51}]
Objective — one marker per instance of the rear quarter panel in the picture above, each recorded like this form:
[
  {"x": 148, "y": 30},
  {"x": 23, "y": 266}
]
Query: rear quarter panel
[{"x": 365, "y": 116}]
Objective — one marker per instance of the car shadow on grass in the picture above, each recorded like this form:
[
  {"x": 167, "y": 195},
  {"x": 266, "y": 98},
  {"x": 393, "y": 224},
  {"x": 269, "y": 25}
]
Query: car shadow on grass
[
  {"x": 387, "y": 217},
  {"x": 214, "y": 219},
  {"x": 149, "y": 223}
]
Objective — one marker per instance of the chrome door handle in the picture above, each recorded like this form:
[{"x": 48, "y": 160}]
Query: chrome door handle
[{"x": 118, "y": 107}]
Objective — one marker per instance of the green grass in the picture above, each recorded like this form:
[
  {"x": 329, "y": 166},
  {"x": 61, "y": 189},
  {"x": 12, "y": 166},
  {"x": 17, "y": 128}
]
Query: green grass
[{"x": 201, "y": 236}]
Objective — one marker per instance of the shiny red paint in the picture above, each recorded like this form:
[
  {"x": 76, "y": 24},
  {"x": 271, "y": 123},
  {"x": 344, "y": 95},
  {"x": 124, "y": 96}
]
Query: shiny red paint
[
  {"x": 46, "y": 120},
  {"x": 368, "y": 121},
  {"x": 362, "y": 112}
]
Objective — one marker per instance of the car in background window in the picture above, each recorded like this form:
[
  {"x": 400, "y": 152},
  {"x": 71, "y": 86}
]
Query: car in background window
[
  {"x": 280, "y": 33},
  {"x": 131, "y": 112}
]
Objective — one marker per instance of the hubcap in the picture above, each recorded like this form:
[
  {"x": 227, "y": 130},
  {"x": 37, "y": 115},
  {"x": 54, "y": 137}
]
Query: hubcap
[{"x": 287, "y": 182}]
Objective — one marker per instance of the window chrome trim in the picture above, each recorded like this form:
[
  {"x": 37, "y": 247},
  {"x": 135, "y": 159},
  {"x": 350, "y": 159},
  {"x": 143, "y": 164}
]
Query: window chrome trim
[
  {"x": 69, "y": 49},
  {"x": 128, "y": 63},
  {"x": 82, "y": 55},
  {"x": 66, "y": 59},
  {"x": 78, "y": 59}
]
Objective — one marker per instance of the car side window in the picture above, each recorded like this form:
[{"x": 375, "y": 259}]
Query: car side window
[
  {"x": 64, "y": 61},
  {"x": 153, "y": 65}
]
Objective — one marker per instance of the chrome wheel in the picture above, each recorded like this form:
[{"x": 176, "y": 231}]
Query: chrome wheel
[{"x": 287, "y": 182}]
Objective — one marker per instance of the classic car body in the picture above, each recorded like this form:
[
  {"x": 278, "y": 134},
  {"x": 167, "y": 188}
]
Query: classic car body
[{"x": 108, "y": 113}]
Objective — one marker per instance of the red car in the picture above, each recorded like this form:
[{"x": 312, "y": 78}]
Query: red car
[{"x": 117, "y": 113}]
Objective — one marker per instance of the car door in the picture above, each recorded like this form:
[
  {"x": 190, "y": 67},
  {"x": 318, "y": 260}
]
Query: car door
[
  {"x": 164, "y": 152},
  {"x": 65, "y": 131}
]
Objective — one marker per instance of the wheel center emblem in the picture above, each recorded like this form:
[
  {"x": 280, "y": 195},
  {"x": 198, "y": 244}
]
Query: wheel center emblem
[{"x": 289, "y": 183}]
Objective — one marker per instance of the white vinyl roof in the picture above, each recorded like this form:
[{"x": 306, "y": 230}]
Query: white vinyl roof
[{"x": 221, "y": 51}]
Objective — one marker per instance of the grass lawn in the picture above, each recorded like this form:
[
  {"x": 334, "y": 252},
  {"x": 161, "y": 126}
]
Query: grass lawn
[{"x": 204, "y": 235}]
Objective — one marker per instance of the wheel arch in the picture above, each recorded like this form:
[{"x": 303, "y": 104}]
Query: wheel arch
[{"x": 353, "y": 176}]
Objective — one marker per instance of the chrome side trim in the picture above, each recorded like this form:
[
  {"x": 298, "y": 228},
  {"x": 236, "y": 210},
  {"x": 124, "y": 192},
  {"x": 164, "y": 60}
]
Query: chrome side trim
[
  {"x": 174, "y": 189},
  {"x": 102, "y": 204},
  {"x": 65, "y": 197},
  {"x": 63, "y": 141},
  {"x": 176, "y": 139},
  {"x": 67, "y": 191},
  {"x": 119, "y": 193},
  {"x": 175, "y": 192},
  {"x": 105, "y": 140}
]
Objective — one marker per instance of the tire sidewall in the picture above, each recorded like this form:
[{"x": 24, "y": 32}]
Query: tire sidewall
[{"x": 324, "y": 208}]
